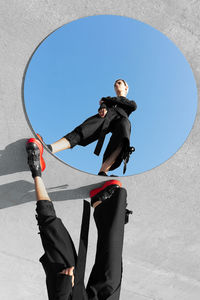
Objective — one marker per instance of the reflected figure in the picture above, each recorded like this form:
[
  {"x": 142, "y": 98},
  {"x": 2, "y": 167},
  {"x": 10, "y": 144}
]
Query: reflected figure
[
  {"x": 112, "y": 117},
  {"x": 65, "y": 269}
]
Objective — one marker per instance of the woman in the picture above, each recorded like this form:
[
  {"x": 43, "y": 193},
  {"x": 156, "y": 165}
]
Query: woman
[{"x": 112, "y": 117}]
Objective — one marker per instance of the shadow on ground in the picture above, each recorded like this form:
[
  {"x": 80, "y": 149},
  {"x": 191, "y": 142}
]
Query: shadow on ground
[
  {"x": 13, "y": 159},
  {"x": 19, "y": 192}
]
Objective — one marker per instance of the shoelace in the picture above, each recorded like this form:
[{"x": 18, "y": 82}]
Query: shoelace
[
  {"x": 107, "y": 194},
  {"x": 33, "y": 158}
]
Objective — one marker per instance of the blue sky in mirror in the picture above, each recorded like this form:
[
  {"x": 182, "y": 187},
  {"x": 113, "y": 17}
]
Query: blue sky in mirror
[{"x": 77, "y": 65}]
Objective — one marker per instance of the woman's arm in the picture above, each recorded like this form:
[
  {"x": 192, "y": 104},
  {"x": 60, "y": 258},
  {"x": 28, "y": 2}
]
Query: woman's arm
[{"x": 121, "y": 101}]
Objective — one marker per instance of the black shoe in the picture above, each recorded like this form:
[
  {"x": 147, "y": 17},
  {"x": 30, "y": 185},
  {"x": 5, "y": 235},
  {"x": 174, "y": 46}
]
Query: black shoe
[
  {"x": 33, "y": 152},
  {"x": 102, "y": 173},
  {"x": 126, "y": 157},
  {"x": 105, "y": 192}
]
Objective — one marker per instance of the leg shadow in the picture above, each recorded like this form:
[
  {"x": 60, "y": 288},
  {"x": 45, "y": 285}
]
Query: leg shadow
[
  {"x": 19, "y": 192},
  {"x": 13, "y": 158}
]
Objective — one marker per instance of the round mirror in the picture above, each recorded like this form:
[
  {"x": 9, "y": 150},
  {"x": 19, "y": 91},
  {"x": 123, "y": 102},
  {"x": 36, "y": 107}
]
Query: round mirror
[{"x": 78, "y": 64}]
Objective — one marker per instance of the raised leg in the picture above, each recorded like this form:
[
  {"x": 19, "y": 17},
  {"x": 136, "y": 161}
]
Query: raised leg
[
  {"x": 60, "y": 255},
  {"x": 60, "y": 145},
  {"x": 40, "y": 190},
  {"x": 105, "y": 278}
]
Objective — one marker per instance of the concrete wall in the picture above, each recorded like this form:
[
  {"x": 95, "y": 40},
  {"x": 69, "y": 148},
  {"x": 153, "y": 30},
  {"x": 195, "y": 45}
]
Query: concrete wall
[{"x": 162, "y": 241}]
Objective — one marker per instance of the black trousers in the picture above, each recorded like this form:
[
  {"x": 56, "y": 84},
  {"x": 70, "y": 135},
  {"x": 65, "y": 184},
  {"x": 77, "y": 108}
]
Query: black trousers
[
  {"x": 90, "y": 130},
  {"x": 105, "y": 278}
]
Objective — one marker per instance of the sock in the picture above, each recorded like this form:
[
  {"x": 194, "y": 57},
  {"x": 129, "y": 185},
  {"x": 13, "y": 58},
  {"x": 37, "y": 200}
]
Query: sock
[
  {"x": 36, "y": 173},
  {"x": 50, "y": 147}
]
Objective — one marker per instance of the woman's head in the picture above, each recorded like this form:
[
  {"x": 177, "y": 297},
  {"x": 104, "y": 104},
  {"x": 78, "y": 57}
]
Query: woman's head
[{"x": 121, "y": 87}]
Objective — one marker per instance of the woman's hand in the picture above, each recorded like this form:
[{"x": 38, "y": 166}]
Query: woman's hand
[
  {"x": 102, "y": 112},
  {"x": 69, "y": 271}
]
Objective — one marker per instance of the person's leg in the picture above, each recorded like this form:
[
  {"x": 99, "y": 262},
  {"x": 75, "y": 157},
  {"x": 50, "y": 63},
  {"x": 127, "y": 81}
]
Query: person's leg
[
  {"x": 60, "y": 256},
  {"x": 84, "y": 134},
  {"x": 110, "y": 160},
  {"x": 40, "y": 190},
  {"x": 46, "y": 215},
  {"x": 109, "y": 215},
  {"x": 59, "y": 252},
  {"x": 59, "y": 145},
  {"x": 119, "y": 140}
]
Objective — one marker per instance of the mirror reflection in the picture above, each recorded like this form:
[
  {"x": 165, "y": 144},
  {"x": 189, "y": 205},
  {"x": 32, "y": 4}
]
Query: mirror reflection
[{"x": 100, "y": 87}]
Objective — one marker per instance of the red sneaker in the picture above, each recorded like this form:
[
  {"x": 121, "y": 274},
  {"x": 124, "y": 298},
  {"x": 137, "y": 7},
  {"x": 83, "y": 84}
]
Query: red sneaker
[
  {"x": 37, "y": 142},
  {"x": 104, "y": 192}
]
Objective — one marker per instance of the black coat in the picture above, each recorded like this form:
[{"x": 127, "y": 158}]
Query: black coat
[
  {"x": 116, "y": 121},
  {"x": 120, "y": 127}
]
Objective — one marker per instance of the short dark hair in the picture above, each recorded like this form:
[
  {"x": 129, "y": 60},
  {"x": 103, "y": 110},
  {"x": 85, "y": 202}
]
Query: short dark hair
[{"x": 121, "y": 80}]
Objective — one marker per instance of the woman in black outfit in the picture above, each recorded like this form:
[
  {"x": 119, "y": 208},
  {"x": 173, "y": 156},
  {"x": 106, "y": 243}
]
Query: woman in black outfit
[
  {"x": 112, "y": 117},
  {"x": 65, "y": 269}
]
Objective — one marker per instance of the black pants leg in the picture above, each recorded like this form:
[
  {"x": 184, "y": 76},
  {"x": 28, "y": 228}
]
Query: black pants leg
[
  {"x": 105, "y": 278},
  {"x": 90, "y": 130},
  {"x": 86, "y": 133},
  {"x": 59, "y": 253},
  {"x": 121, "y": 130}
]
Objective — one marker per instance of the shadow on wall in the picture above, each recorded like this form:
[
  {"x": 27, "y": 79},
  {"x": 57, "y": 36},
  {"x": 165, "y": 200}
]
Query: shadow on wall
[
  {"x": 13, "y": 158},
  {"x": 19, "y": 192}
]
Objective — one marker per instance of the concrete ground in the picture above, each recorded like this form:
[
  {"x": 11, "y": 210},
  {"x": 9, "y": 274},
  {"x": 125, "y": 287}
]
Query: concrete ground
[{"x": 162, "y": 241}]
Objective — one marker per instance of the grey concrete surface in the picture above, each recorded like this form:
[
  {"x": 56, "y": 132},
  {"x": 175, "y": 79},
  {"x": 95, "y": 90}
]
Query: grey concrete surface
[{"x": 162, "y": 241}]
